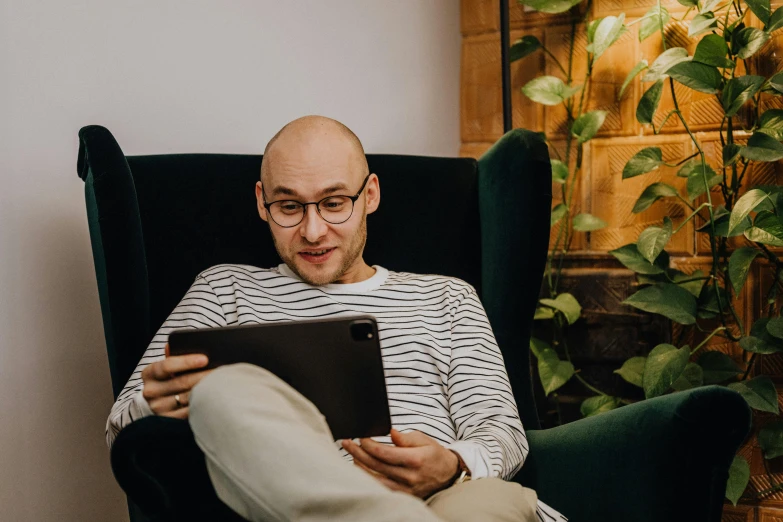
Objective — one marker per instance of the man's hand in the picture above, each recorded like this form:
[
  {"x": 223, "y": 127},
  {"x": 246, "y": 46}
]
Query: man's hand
[
  {"x": 163, "y": 385},
  {"x": 417, "y": 464}
]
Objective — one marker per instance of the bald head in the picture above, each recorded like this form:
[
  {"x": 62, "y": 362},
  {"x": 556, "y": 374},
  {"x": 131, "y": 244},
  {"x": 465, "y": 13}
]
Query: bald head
[{"x": 312, "y": 132}]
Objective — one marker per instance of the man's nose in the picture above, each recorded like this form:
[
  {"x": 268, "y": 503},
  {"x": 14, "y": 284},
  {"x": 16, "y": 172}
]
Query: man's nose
[{"x": 313, "y": 226}]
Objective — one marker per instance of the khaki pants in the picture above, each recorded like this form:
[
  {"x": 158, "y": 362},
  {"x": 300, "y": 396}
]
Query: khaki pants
[{"x": 271, "y": 456}]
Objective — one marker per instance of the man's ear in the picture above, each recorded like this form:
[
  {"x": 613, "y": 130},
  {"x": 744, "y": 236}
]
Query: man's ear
[
  {"x": 373, "y": 194},
  {"x": 260, "y": 201}
]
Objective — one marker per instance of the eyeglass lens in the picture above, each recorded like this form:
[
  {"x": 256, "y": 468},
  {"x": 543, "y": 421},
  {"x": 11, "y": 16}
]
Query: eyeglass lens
[{"x": 335, "y": 210}]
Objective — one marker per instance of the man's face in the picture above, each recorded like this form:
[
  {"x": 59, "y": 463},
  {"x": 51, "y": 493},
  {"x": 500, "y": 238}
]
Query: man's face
[{"x": 307, "y": 169}]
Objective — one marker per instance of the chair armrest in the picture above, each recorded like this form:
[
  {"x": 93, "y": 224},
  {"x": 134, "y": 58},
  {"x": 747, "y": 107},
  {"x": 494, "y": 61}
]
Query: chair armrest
[
  {"x": 661, "y": 459},
  {"x": 159, "y": 466}
]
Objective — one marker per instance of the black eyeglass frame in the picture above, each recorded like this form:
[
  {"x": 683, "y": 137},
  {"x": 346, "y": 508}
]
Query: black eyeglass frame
[{"x": 316, "y": 203}]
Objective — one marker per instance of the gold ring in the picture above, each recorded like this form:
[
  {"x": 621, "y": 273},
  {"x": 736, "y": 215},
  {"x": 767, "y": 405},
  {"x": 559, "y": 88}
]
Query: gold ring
[{"x": 179, "y": 403}]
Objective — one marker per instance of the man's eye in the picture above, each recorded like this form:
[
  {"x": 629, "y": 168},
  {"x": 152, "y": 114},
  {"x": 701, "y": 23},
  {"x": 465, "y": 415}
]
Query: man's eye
[{"x": 290, "y": 207}]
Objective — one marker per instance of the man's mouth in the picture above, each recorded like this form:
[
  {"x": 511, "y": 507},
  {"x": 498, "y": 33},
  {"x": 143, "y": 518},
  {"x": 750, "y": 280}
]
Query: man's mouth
[{"x": 316, "y": 256}]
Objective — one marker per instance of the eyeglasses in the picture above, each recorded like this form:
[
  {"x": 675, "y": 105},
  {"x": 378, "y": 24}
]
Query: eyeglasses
[{"x": 333, "y": 209}]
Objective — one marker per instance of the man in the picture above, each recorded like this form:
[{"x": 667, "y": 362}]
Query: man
[{"x": 269, "y": 452}]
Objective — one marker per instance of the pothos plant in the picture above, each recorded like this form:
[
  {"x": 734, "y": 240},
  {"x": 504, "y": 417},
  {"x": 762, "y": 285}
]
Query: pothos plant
[{"x": 741, "y": 222}]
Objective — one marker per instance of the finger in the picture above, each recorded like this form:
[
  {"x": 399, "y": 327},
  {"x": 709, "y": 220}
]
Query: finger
[
  {"x": 386, "y": 481},
  {"x": 183, "y": 363},
  {"x": 179, "y": 413},
  {"x": 179, "y": 384},
  {"x": 399, "y": 474},
  {"x": 411, "y": 439},
  {"x": 390, "y": 454}
]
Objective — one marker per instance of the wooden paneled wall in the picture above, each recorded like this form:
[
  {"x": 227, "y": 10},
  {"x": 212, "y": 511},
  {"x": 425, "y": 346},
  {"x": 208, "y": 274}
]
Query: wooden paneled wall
[{"x": 601, "y": 190}]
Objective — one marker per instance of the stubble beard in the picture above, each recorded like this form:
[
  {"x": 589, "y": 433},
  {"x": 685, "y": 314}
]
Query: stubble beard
[{"x": 355, "y": 249}]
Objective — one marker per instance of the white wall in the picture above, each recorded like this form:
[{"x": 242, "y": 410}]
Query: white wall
[{"x": 164, "y": 76}]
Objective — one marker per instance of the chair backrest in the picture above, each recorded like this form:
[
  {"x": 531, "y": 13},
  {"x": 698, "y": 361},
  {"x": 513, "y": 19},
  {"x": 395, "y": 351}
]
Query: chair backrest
[{"x": 157, "y": 221}]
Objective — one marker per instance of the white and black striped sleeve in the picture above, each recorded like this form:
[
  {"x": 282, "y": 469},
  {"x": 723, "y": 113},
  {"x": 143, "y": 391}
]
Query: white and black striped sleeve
[
  {"x": 490, "y": 437},
  {"x": 199, "y": 308}
]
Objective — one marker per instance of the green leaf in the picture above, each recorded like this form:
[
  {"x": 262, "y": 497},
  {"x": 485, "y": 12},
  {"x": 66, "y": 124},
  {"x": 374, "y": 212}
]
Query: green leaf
[
  {"x": 586, "y": 126},
  {"x": 755, "y": 345},
  {"x": 760, "y": 8},
  {"x": 543, "y": 313},
  {"x": 701, "y": 23},
  {"x": 557, "y": 214},
  {"x": 731, "y": 153},
  {"x": 758, "y": 235},
  {"x": 712, "y": 50},
  {"x": 646, "y": 160},
  {"x": 744, "y": 205},
  {"x": 632, "y": 370},
  {"x": 664, "y": 62},
  {"x": 667, "y": 299},
  {"x": 775, "y": 327},
  {"x": 692, "y": 377},
  {"x": 707, "y": 304},
  {"x": 559, "y": 171},
  {"x": 550, "y": 6},
  {"x": 607, "y": 32},
  {"x": 708, "y": 5},
  {"x": 664, "y": 365},
  {"x": 770, "y": 439},
  {"x": 694, "y": 287},
  {"x": 717, "y": 367},
  {"x": 653, "y": 240},
  {"x": 739, "y": 476},
  {"x": 592, "y": 26},
  {"x": 738, "y": 91},
  {"x": 598, "y": 404},
  {"x": 652, "y": 194},
  {"x": 760, "y": 339},
  {"x": 688, "y": 168},
  {"x": 525, "y": 46},
  {"x": 695, "y": 184},
  {"x": 739, "y": 266},
  {"x": 688, "y": 3},
  {"x": 648, "y": 104},
  {"x": 630, "y": 257},
  {"x": 759, "y": 393},
  {"x": 537, "y": 346},
  {"x": 697, "y": 76},
  {"x": 639, "y": 67},
  {"x": 653, "y": 22},
  {"x": 553, "y": 372},
  {"x": 775, "y": 84},
  {"x": 549, "y": 90},
  {"x": 762, "y": 147},
  {"x": 587, "y": 223},
  {"x": 722, "y": 224},
  {"x": 775, "y": 21},
  {"x": 746, "y": 42},
  {"x": 771, "y": 123},
  {"x": 565, "y": 303}
]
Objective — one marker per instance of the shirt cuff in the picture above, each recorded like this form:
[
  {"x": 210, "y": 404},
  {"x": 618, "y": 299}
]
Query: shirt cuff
[
  {"x": 141, "y": 404},
  {"x": 471, "y": 453}
]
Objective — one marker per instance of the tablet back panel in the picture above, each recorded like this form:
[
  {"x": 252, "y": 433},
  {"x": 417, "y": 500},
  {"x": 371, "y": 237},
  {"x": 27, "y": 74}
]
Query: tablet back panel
[{"x": 342, "y": 374}]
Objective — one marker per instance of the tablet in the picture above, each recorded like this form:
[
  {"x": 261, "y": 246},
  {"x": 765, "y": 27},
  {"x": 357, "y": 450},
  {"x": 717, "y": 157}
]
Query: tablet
[{"x": 335, "y": 363}]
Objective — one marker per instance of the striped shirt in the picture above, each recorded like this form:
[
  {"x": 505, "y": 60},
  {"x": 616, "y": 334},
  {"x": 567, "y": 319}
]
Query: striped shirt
[{"x": 444, "y": 372}]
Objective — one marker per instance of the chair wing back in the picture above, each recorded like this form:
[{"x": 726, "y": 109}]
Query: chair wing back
[{"x": 157, "y": 221}]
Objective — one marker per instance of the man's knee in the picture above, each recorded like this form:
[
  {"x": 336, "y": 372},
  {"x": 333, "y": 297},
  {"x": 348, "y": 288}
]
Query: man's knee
[
  {"x": 214, "y": 392},
  {"x": 485, "y": 499}
]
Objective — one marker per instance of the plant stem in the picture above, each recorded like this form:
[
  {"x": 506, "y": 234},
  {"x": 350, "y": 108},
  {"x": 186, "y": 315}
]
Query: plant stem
[
  {"x": 750, "y": 366},
  {"x": 719, "y": 329}
]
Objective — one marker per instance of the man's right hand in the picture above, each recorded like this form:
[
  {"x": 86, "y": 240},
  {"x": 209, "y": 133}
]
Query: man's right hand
[{"x": 163, "y": 384}]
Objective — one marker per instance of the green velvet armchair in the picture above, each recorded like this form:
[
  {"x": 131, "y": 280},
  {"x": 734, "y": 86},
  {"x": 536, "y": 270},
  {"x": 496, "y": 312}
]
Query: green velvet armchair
[{"x": 157, "y": 221}]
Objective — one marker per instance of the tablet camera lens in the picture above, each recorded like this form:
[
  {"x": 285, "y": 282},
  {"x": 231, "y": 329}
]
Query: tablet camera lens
[{"x": 362, "y": 331}]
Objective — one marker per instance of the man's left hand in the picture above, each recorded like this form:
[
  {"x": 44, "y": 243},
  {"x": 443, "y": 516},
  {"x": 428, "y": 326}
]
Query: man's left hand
[{"x": 417, "y": 464}]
